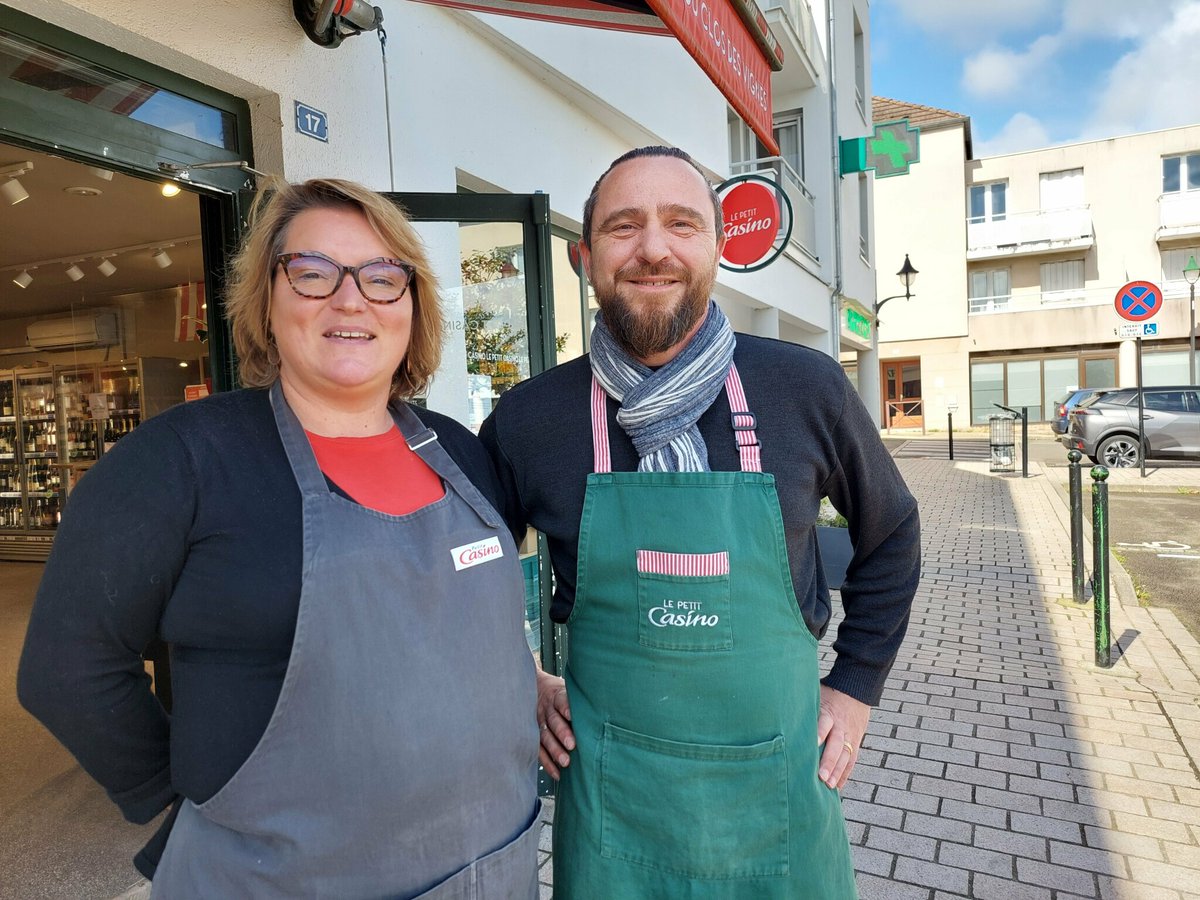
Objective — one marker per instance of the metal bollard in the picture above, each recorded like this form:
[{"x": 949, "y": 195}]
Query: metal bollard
[
  {"x": 1100, "y": 564},
  {"x": 1024, "y": 441},
  {"x": 1075, "y": 489},
  {"x": 950, "y": 432}
]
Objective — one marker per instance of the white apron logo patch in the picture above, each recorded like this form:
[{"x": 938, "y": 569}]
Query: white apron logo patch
[
  {"x": 479, "y": 552},
  {"x": 681, "y": 614}
]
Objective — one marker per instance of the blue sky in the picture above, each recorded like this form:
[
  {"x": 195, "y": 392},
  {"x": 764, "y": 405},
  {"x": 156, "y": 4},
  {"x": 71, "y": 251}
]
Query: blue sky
[{"x": 1033, "y": 73}]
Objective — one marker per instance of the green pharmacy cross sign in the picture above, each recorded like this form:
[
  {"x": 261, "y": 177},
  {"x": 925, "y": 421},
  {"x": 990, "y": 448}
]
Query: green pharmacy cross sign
[{"x": 889, "y": 151}]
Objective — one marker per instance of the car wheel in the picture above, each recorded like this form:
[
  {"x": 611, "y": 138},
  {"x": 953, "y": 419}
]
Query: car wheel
[
  {"x": 1119, "y": 452},
  {"x": 1095, "y": 460}
]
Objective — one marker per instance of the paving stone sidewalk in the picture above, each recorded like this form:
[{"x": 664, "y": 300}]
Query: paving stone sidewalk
[{"x": 1002, "y": 764}]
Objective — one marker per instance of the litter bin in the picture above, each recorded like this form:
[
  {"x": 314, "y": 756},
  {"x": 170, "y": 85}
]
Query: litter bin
[{"x": 1002, "y": 446}]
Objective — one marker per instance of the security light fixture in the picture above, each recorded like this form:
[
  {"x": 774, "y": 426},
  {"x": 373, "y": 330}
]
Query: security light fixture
[
  {"x": 170, "y": 189},
  {"x": 329, "y": 22}
]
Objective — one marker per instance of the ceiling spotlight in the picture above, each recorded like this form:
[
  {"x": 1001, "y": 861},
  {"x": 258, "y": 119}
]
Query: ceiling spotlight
[
  {"x": 102, "y": 174},
  {"x": 161, "y": 259},
  {"x": 24, "y": 279},
  {"x": 11, "y": 190},
  {"x": 74, "y": 272},
  {"x": 105, "y": 267},
  {"x": 170, "y": 189}
]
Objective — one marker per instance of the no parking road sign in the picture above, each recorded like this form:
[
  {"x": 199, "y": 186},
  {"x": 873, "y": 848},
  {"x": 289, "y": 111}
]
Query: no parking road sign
[{"x": 1138, "y": 301}]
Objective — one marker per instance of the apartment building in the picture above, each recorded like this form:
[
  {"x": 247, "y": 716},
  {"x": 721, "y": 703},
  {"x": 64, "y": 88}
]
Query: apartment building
[{"x": 1021, "y": 257}]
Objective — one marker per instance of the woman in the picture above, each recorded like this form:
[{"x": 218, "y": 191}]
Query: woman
[{"x": 353, "y": 700}]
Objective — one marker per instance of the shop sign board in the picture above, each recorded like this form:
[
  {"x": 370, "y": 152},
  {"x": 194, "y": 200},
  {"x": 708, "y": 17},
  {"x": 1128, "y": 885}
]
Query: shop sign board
[
  {"x": 730, "y": 39},
  {"x": 858, "y": 324},
  {"x": 717, "y": 38},
  {"x": 757, "y": 222}
]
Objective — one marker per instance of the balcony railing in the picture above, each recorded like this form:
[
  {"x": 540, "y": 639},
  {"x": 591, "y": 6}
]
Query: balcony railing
[
  {"x": 804, "y": 209},
  {"x": 1017, "y": 234},
  {"x": 1041, "y": 300},
  {"x": 1179, "y": 214}
]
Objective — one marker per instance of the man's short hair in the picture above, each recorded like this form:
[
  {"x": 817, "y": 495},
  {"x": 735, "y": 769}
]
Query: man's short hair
[{"x": 589, "y": 207}]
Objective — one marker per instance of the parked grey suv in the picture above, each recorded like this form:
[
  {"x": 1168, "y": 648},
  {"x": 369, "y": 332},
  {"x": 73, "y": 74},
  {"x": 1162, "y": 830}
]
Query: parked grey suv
[{"x": 1104, "y": 427}]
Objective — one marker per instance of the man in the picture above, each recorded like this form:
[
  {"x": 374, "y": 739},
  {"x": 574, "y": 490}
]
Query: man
[{"x": 677, "y": 473}]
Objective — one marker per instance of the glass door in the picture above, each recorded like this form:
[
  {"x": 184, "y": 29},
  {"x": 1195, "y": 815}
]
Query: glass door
[
  {"x": 41, "y": 478},
  {"x": 10, "y": 469},
  {"x": 491, "y": 253},
  {"x": 78, "y": 425},
  {"x": 492, "y": 257}
]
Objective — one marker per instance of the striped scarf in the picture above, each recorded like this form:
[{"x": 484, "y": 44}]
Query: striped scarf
[{"x": 660, "y": 407}]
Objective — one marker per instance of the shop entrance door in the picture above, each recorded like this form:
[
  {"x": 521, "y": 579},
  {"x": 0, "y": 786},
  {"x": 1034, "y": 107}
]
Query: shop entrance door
[
  {"x": 902, "y": 403},
  {"x": 491, "y": 254}
]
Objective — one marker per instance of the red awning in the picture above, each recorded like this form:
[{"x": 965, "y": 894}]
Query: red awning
[{"x": 730, "y": 39}]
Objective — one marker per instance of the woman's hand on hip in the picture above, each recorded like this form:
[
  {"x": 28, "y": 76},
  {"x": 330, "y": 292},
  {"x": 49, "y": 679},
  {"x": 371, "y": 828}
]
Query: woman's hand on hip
[{"x": 554, "y": 723}]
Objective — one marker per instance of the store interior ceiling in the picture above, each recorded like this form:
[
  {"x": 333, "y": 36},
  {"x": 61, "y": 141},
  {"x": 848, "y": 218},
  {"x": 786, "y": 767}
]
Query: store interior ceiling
[{"x": 81, "y": 214}]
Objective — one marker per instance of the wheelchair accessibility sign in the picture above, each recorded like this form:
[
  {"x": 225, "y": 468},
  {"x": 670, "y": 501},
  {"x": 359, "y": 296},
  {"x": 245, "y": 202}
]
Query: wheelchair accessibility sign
[{"x": 1138, "y": 329}]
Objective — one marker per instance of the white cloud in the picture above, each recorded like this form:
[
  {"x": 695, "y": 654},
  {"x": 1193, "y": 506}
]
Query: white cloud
[
  {"x": 997, "y": 72},
  {"x": 1155, "y": 85},
  {"x": 1021, "y": 132},
  {"x": 976, "y": 21},
  {"x": 1116, "y": 18}
]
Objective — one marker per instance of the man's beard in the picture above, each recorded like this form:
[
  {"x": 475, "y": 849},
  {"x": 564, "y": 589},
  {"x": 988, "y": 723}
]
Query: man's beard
[{"x": 643, "y": 328}]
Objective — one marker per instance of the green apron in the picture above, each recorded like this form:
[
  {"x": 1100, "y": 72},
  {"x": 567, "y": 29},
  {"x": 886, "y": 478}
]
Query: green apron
[{"x": 694, "y": 694}]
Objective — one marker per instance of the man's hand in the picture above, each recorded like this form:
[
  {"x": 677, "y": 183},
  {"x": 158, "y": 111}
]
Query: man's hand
[
  {"x": 554, "y": 721},
  {"x": 841, "y": 725}
]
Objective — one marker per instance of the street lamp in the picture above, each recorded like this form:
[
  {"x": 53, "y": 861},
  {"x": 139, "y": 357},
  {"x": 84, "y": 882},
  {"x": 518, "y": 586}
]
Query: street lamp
[
  {"x": 908, "y": 277},
  {"x": 1192, "y": 272}
]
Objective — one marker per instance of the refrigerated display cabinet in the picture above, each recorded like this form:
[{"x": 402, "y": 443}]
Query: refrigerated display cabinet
[{"x": 56, "y": 422}]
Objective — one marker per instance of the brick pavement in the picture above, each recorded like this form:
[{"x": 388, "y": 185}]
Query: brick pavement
[{"x": 1002, "y": 764}]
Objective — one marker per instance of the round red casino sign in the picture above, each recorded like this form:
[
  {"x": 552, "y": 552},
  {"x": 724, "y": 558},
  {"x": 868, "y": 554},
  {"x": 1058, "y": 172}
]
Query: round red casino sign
[{"x": 754, "y": 222}]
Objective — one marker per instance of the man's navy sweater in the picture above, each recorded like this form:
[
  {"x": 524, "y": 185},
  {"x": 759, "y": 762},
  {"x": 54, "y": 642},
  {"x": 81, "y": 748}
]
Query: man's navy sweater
[{"x": 817, "y": 440}]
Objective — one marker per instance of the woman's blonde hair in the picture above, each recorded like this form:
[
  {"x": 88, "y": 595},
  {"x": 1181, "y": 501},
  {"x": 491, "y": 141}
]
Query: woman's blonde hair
[{"x": 252, "y": 273}]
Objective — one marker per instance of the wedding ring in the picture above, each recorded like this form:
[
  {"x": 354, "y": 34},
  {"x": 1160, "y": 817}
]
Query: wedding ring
[
  {"x": 544, "y": 726},
  {"x": 849, "y": 747}
]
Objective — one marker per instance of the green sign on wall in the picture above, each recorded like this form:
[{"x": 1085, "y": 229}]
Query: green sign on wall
[
  {"x": 889, "y": 150},
  {"x": 857, "y": 323}
]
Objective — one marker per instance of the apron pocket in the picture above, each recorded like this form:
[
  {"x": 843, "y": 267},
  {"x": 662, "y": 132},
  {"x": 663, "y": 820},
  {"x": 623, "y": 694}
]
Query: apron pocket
[
  {"x": 508, "y": 873},
  {"x": 694, "y": 810},
  {"x": 683, "y": 601}
]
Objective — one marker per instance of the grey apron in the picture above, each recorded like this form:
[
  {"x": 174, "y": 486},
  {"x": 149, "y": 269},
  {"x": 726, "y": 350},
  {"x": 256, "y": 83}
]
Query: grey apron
[{"x": 401, "y": 758}]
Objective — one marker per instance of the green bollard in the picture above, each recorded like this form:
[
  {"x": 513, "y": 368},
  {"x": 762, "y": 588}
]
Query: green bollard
[
  {"x": 1075, "y": 489},
  {"x": 1100, "y": 565}
]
